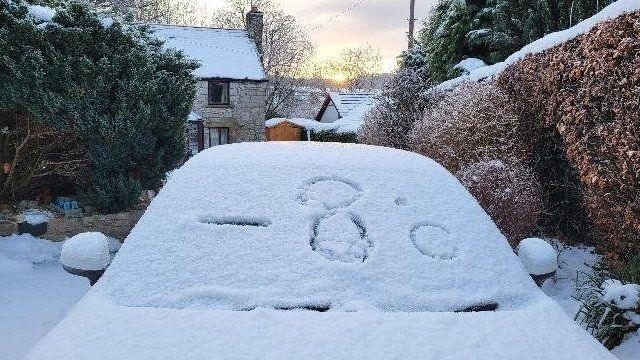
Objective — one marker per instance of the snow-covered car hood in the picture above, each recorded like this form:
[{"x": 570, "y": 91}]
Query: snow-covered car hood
[
  {"x": 98, "y": 330},
  {"x": 246, "y": 240}
]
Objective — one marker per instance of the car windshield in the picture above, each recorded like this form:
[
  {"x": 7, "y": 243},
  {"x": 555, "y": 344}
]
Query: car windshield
[{"x": 316, "y": 227}]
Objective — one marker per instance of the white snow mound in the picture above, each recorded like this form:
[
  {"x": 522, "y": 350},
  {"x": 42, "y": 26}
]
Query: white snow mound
[
  {"x": 42, "y": 13},
  {"x": 470, "y": 64},
  {"x": 86, "y": 251},
  {"x": 622, "y": 296},
  {"x": 538, "y": 256}
]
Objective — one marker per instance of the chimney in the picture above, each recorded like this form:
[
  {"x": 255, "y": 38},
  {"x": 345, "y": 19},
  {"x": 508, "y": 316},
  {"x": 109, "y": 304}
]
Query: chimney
[{"x": 255, "y": 25}]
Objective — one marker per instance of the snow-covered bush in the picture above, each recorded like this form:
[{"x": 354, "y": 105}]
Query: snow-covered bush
[
  {"x": 509, "y": 194},
  {"x": 472, "y": 123},
  {"x": 579, "y": 106},
  {"x": 334, "y": 136},
  {"x": 610, "y": 308},
  {"x": 88, "y": 104},
  {"x": 471, "y": 131},
  {"x": 400, "y": 105}
]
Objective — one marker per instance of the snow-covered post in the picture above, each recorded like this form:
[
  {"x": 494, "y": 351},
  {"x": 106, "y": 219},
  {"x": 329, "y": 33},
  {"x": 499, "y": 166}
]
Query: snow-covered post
[
  {"x": 87, "y": 255},
  {"x": 539, "y": 258}
]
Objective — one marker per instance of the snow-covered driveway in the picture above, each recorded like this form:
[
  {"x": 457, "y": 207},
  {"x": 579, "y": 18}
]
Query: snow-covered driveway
[{"x": 35, "y": 293}]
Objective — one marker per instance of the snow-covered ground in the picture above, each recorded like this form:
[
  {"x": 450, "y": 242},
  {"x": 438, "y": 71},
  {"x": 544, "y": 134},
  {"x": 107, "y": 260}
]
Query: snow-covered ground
[{"x": 35, "y": 293}]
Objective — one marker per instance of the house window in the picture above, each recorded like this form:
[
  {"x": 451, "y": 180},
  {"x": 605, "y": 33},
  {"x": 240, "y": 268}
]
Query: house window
[
  {"x": 218, "y": 136},
  {"x": 218, "y": 93}
]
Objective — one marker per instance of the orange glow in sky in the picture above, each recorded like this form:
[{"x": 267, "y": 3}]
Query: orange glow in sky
[{"x": 334, "y": 25}]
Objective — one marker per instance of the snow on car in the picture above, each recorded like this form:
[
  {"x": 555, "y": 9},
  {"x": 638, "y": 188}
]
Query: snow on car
[{"x": 315, "y": 251}]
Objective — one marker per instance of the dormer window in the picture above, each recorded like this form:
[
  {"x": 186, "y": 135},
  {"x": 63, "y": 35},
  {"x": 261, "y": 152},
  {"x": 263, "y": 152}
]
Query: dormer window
[{"x": 218, "y": 92}]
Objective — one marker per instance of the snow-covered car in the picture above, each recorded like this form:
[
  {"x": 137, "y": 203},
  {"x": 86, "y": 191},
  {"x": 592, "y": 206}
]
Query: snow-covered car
[{"x": 315, "y": 251}]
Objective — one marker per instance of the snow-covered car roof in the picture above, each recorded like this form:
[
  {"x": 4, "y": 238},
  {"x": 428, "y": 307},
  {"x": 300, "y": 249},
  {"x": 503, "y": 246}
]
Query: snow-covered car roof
[{"x": 375, "y": 251}]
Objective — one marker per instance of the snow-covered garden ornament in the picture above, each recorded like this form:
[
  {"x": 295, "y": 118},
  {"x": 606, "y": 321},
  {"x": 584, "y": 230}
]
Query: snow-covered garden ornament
[
  {"x": 539, "y": 258},
  {"x": 87, "y": 255}
]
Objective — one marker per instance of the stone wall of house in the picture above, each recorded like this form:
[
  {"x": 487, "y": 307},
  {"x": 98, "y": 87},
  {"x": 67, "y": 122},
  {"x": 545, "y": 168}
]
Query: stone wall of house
[{"x": 244, "y": 116}]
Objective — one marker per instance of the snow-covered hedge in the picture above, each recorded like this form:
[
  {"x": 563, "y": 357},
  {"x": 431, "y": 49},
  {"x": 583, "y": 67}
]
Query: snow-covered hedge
[{"x": 579, "y": 106}]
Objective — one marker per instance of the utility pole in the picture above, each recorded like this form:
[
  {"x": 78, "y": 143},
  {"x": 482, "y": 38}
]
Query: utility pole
[{"x": 412, "y": 21}]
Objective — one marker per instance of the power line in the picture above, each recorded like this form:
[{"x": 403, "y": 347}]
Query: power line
[{"x": 353, "y": 5}]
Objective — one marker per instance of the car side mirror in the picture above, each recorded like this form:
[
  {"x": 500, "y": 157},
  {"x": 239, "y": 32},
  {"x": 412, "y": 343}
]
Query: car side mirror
[
  {"x": 539, "y": 258},
  {"x": 86, "y": 255}
]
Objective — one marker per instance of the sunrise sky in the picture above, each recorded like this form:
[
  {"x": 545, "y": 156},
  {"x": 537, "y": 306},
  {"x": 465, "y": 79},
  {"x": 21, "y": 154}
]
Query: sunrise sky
[{"x": 337, "y": 24}]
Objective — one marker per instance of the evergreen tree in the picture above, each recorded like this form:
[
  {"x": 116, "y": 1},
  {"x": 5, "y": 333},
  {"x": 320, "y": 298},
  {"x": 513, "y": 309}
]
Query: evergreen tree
[
  {"x": 454, "y": 31},
  {"x": 492, "y": 30},
  {"x": 516, "y": 23},
  {"x": 108, "y": 89}
]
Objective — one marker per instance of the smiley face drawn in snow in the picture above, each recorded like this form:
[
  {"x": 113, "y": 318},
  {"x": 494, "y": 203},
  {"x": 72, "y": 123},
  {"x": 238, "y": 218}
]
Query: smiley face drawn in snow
[{"x": 340, "y": 235}]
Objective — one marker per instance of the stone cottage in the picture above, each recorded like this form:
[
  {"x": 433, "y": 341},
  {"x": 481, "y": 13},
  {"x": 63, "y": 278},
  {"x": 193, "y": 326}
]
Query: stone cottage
[{"x": 231, "y": 91}]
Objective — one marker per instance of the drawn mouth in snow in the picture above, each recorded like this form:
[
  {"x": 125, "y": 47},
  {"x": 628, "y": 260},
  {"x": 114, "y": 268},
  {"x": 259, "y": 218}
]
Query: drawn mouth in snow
[
  {"x": 338, "y": 235},
  {"x": 341, "y": 237}
]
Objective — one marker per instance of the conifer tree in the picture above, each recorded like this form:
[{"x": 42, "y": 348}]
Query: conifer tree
[{"x": 96, "y": 104}]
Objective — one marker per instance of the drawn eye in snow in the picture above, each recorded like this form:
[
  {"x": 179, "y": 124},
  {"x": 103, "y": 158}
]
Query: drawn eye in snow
[
  {"x": 338, "y": 235},
  {"x": 434, "y": 242},
  {"x": 235, "y": 221}
]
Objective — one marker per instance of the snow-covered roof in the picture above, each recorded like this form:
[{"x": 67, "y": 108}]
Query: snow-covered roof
[
  {"x": 346, "y": 102},
  {"x": 547, "y": 42},
  {"x": 347, "y": 124},
  {"x": 308, "y": 124},
  {"x": 222, "y": 53},
  {"x": 387, "y": 242}
]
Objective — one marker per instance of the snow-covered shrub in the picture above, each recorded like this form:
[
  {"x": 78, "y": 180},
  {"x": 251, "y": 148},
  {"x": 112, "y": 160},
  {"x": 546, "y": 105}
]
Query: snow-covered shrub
[
  {"x": 610, "y": 308},
  {"x": 509, "y": 194},
  {"x": 99, "y": 110},
  {"x": 471, "y": 131},
  {"x": 400, "y": 105},
  {"x": 334, "y": 136},
  {"x": 580, "y": 108},
  {"x": 472, "y": 123}
]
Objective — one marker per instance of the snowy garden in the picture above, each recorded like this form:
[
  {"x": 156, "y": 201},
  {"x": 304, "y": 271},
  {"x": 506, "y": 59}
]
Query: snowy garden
[{"x": 486, "y": 204}]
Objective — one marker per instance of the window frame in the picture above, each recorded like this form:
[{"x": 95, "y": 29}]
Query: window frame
[
  {"x": 219, "y": 129},
  {"x": 225, "y": 92}
]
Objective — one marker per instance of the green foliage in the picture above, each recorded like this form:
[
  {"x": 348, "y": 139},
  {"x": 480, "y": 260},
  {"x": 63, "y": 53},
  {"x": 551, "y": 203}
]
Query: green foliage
[
  {"x": 491, "y": 30},
  {"x": 113, "y": 87},
  {"x": 445, "y": 40},
  {"x": 517, "y": 23},
  {"x": 333, "y": 136},
  {"x": 604, "y": 321}
]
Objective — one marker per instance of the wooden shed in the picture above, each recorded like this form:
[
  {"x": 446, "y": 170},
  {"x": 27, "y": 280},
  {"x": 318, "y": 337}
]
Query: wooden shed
[{"x": 285, "y": 131}]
